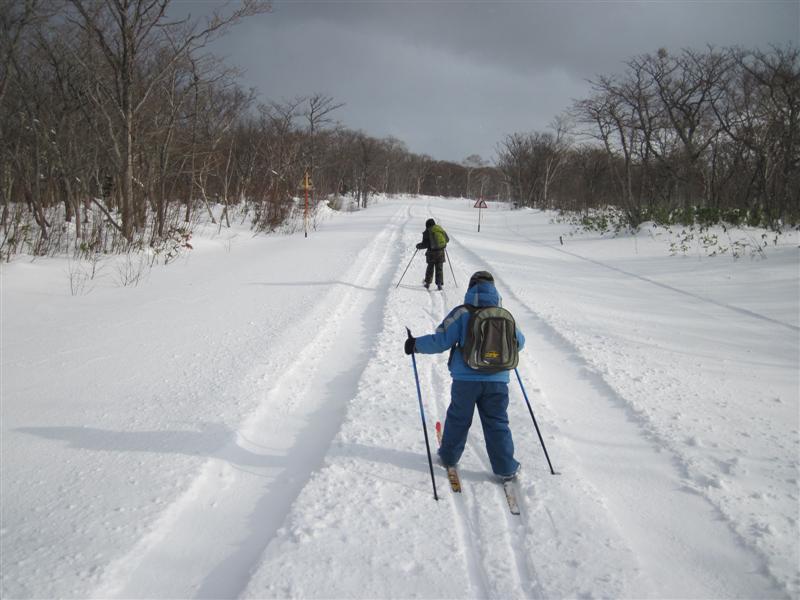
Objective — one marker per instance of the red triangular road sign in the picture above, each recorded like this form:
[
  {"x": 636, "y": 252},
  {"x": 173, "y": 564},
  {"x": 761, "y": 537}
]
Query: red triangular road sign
[{"x": 480, "y": 204}]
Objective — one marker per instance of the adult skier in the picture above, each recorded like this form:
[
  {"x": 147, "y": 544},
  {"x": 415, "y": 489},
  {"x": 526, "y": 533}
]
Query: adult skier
[
  {"x": 434, "y": 240},
  {"x": 470, "y": 387}
]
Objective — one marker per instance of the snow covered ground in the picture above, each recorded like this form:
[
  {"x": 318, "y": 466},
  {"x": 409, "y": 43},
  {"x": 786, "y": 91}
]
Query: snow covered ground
[{"x": 244, "y": 423}]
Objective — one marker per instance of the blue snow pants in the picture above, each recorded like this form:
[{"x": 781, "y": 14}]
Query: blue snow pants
[{"x": 491, "y": 398}]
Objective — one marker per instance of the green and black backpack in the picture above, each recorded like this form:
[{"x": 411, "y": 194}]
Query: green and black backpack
[{"x": 491, "y": 344}]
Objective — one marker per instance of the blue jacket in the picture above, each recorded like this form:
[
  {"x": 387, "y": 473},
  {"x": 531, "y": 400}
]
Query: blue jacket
[{"x": 453, "y": 330}]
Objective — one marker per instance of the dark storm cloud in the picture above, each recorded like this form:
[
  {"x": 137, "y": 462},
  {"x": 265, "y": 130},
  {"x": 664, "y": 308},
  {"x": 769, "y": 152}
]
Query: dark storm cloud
[{"x": 453, "y": 78}]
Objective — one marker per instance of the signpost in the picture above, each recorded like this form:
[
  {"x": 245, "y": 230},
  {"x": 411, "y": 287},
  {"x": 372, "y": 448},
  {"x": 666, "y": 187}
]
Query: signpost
[{"x": 480, "y": 204}]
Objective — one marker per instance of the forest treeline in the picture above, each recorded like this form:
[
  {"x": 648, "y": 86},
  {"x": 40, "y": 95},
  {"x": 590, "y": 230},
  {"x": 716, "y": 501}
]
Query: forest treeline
[
  {"x": 693, "y": 136},
  {"x": 118, "y": 129}
]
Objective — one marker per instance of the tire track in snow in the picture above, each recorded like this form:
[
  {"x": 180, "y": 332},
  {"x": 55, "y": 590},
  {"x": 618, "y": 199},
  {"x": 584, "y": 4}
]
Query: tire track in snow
[
  {"x": 214, "y": 534},
  {"x": 641, "y": 504}
]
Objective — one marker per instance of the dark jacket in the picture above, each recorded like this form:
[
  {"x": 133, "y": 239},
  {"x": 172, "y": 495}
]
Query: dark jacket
[
  {"x": 453, "y": 331},
  {"x": 431, "y": 256}
]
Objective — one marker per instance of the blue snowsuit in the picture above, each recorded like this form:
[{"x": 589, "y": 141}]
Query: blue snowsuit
[{"x": 470, "y": 388}]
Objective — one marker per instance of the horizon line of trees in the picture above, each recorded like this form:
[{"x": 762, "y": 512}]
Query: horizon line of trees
[
  {"x": 118, "y": 129},
  {"x": 706, "y": 136}
]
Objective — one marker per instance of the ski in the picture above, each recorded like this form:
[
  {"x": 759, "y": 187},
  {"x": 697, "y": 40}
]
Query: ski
[
  {"x": 452, "y": 472},
  {"x": 454, "y": 479},
  {"x": 511, "y": 497}
]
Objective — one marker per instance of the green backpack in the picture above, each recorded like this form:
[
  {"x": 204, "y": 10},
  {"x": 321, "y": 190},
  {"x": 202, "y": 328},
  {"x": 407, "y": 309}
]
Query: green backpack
[
  {"x": 491, "y": 343},
  {"x": 438, "y": 238}
]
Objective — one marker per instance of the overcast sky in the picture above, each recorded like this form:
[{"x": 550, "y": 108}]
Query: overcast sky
[{"x": 453, "y": 78}]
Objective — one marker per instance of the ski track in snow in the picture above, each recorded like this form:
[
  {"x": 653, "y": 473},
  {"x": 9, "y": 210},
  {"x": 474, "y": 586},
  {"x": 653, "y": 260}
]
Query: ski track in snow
[
  {"x": 195, "y": 536},
  {"x": 495, "y": 555},
  {"x": 438, "y": 389},
  {"x": 496, "y": 562},
  {"x": 532, "y": 570},
  {"x": 690, "y": 480},
  {"x": 330, "y": 466},
  {"x": 678, "y": 538}
]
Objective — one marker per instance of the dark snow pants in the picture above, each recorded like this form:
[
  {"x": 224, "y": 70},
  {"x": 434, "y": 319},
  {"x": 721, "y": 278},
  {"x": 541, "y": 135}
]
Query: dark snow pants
[
  {"x": 491, "y": 398},
  {"x": 435, "y": 260},
  {"x": 439, "y": 267}
]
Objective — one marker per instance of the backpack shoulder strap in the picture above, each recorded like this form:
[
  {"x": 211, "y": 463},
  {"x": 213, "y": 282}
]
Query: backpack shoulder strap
[{"x": 471, "y": 309}]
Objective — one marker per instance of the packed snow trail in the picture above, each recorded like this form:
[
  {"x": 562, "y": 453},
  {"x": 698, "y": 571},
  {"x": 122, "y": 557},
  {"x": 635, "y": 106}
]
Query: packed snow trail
[
  {"x": 670, "y": 288},
  {"x": 576, "y": 537},
  {"x": 673, "y": 521},
  {"x": 213, "y": 535},
  {"x": 666, "y": 527},
  {"x": 277, "y": 452}
]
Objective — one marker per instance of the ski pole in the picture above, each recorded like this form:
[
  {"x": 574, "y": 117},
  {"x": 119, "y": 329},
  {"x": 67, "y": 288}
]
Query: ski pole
[
  {"x": 451, "y": 267},
  {"x": 404, "y": 272},
  {"x": 530, "y": 410},
  {"x": 424, "y": 428}
]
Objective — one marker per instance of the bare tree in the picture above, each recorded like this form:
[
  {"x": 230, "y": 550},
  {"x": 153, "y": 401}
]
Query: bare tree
[
  {"x": 420, "y": 167},
  {"x": 126, "y": 31},
  {"x": 317, "y": 114},
  {"x": 471, "y": 163},
  {"x": 554, "y": 154},
  {"x": 15, "y": 18},
  {"x": 531, "y": 162},
  {"x": 760, "y": 111},
  {"x": 280, "y": 148},
  {"x": 686, "y": 86}
]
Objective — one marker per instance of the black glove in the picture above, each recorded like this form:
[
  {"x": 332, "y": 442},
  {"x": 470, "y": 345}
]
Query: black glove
[
  {"x": 411, "y": 345},
  {"x": 420, "y": 246}
]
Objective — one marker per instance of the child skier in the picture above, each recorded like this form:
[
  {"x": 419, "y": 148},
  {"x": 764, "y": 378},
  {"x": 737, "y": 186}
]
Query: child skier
[
  {"x": 471, "y": 387},
  {"x": 434, "y": 239}
]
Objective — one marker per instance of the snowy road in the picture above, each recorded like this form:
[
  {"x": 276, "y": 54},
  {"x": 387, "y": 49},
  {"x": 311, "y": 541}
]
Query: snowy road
[{"x": 666, "y": 390}]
